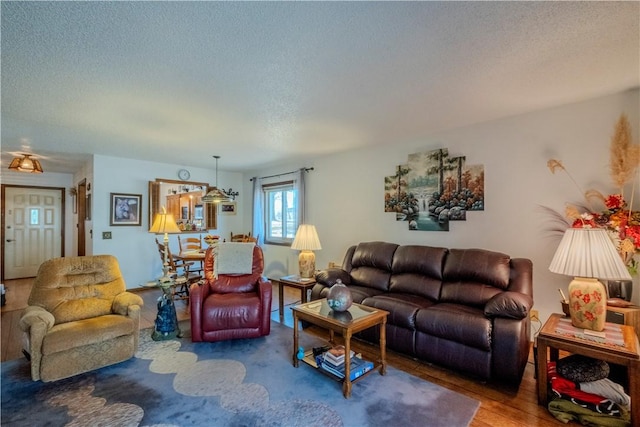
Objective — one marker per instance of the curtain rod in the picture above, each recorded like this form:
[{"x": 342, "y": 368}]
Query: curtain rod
[{"x": 284, "y": 173}]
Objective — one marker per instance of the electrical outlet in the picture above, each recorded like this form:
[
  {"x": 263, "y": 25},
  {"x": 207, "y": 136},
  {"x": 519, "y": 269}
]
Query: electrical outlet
[
  {"x": 106, "y": 235},
  {"x": 533, "y": 314}
]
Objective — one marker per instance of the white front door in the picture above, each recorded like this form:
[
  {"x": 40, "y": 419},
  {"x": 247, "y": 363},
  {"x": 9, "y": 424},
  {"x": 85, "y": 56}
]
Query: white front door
[{"x": 33, "y": 227}]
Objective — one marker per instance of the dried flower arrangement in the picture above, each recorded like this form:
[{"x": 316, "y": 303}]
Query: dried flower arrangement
[{"x": 616, "y": 216}]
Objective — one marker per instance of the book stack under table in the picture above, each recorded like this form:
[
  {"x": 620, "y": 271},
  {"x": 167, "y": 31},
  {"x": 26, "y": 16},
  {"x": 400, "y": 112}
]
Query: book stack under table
[{"x": 332, "y": 361}]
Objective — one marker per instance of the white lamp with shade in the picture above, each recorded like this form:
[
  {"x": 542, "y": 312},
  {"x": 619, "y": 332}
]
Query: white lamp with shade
[
  {"x": 164, "y": 223},
  {"x": 588, "y": 254},
  {"x": 306, "y": 241}
]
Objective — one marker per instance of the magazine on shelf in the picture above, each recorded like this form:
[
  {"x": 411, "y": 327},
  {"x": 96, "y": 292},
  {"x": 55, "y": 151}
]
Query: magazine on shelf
[{"x": 358, "y": 367}]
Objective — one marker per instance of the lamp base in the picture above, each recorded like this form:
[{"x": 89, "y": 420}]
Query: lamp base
[
  {"x": 587, "y": 303},
  {"x": 307, "y": 264}
]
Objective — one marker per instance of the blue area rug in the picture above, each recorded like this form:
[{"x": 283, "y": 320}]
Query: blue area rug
[{"x": 232, "y": 383}]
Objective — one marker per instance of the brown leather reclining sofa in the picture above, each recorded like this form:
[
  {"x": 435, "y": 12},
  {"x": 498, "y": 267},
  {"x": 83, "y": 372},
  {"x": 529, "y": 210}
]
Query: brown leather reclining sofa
[{"x": 465, "y": 309}]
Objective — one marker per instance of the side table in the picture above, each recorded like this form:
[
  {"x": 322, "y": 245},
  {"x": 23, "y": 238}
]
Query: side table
[
  {"x": 293, "y": 281},
  {"x": 166, "y": 325},
  {"x": 554, "y": 337}
]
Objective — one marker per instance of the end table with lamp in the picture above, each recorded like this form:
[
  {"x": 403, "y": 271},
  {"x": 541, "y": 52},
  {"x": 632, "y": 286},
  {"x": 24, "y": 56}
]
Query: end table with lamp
[
  {"x": 588, "y": 254},
  {"x": 293, "y": 281}
]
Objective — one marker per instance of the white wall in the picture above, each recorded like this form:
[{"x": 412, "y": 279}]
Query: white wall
[
  {"x": 345, "y": 191},
  {"x": 133, "y": 246}
]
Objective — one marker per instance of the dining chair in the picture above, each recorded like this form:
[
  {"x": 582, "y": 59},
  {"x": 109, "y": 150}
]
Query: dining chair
[
  {"x": 240, "y": 237},
  {"x": 180, "y": 271},
  {"x": 192, "y": 244}
]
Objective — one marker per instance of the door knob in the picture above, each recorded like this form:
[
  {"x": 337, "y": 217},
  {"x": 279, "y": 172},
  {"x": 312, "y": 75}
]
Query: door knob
[{"x": 9, "y": 240}]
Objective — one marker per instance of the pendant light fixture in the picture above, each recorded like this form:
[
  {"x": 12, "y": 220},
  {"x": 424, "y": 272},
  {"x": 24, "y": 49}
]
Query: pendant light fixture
[
  {"x": 26, "y": 164},
  {"x": 216, "y": 195}
]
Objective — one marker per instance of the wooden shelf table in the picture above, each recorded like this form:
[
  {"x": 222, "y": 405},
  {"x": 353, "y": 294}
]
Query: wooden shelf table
[
  {"x": 357, "y": 318},
  {"x": 292, "y": 281},
  {"x": 556, "y": 336}
]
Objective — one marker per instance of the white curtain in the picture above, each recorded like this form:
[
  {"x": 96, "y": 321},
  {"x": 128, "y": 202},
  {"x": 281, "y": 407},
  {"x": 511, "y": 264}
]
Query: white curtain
[
  {"x": 258, "y": 210},
  {"x": 298, "y": 187}
]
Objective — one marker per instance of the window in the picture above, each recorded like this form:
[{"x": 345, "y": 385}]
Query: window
[{"x": 280, "y": 213}]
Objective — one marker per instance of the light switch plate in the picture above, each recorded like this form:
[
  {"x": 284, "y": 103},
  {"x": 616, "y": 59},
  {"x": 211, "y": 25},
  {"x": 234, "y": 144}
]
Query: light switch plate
[{"x": 106, "y": 235}]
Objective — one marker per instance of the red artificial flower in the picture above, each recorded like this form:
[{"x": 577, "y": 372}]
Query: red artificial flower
[
  {"x": 586, "y": 298},
  {"x": 614, "y": 201}
]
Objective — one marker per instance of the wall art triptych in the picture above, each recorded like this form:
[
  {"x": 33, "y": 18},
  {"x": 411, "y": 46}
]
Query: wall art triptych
[{"x": 432, "y": 189}]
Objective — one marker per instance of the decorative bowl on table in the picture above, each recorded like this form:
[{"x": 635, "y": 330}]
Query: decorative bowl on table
[{"x": 210, "y": 239}]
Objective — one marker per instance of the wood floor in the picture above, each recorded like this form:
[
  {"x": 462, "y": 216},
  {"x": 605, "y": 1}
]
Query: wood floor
[{"x": 500, "y": 405}]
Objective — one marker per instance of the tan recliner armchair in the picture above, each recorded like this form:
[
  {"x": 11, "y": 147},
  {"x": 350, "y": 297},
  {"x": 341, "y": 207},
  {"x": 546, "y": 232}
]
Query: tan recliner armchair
[{"x": 79, "y": 317}]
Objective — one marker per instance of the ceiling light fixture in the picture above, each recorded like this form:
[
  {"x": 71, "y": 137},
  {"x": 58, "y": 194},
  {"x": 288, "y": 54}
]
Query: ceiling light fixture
[
  {"x": 26, "y": 164},
  {"x": 216, "y": 195}
]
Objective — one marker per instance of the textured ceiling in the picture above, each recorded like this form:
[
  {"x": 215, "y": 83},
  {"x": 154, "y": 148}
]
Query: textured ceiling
[{"x": 259, "y": 83}]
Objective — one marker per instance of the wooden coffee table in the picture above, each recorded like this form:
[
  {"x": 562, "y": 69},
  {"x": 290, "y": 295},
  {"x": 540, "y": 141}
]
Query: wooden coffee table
[
  {"x": 555, "y": 336},
  {"x": 357, "y": 318}
]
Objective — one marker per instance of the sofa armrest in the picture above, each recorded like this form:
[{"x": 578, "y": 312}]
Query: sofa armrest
[
  {"x": 35, "y": 322},
  {"x": 123, "y": 301},
  {"x": 329, "y": 277},
  {"x": 514, "y": 305}
]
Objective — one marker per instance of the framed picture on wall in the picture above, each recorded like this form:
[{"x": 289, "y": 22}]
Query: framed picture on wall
[
  {"x": 126, "y": 209},
  {"x": 228, "y": 208}
]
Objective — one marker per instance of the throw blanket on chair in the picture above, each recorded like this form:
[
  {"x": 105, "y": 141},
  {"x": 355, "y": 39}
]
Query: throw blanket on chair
[{"x": 233, "y": 258}]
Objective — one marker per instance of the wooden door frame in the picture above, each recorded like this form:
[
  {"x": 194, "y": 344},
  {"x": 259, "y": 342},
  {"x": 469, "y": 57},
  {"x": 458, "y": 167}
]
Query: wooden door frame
[
  {"x": 3, "y": 187},
  {"x": 81, "y": 202}
]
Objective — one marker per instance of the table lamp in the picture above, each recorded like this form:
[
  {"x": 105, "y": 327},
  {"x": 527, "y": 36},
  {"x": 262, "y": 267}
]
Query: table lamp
[
  {"x": 165, "y": 223},
  {"x": 306, "y": 241},
  {"x": 588, "y": 254}
]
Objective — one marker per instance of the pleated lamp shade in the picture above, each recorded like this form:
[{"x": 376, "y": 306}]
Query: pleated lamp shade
[{"x": 588, "y": 252}]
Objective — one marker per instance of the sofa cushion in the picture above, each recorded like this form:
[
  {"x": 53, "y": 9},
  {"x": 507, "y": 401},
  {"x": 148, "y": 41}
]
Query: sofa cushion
[
  {"x": 76, "y": 288},
  {"x": 477, "y": 265},
  {"x": 374, "y": 254},
  {"x": 85, "y": 332},
  {"x": 371, "y": 264},
  {"x": 369, "y": 277},
  {"x": 474, "y": 294},
  {"x": 402, "y": 308},
  {"x": 455, "y": 322},
  {"x": 418, "y": 270},
  {"x": 221, "y": 312}
]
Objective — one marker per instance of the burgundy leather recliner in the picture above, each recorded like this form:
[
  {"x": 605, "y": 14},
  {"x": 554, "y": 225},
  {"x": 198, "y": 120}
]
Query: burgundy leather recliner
[{"x": 232, "y": 306}]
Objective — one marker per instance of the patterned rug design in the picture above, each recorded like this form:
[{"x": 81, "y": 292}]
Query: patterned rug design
[{"x": 232, "y": 383}]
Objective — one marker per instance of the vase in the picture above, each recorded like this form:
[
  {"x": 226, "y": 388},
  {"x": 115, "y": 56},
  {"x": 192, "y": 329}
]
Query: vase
[
  {"x": 339, "y": 297},
  {"x": 587, "y": 303}
]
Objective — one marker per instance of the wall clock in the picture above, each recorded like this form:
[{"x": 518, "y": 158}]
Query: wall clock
[{"x": 184, "y": 174}]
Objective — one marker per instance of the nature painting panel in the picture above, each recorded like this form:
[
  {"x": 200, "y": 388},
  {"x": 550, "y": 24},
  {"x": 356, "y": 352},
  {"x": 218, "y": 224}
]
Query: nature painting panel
[{"x": 425, "y": 177}]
